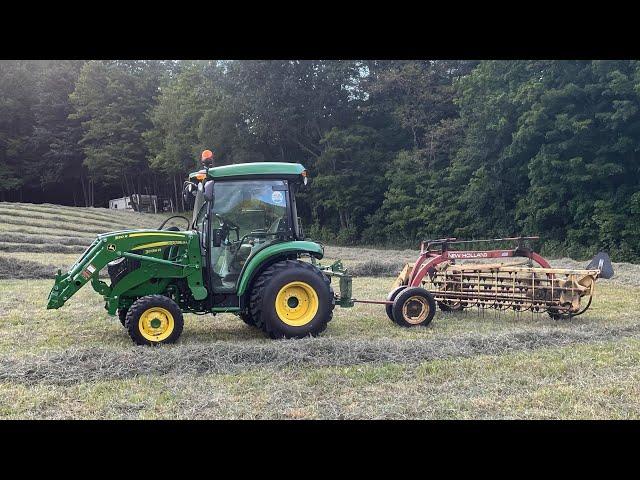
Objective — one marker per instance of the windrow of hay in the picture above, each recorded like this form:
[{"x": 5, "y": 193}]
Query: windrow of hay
[
  {"x": 48, "y": 248},
  {"x": 101, "y": 215},
  {"x": 96, "y": 213},
  {"x": 375, "y": 268},
  {"x": 94, "y": 364},
  {"x": 39, "y": 231},
  {"x": 363, "y": 254},
  {"x": 44, "y": 239},
  {"x": 56, "y": 217},
  {"x": 12, "y": 268},
  {"x": 71, "y": 227}
]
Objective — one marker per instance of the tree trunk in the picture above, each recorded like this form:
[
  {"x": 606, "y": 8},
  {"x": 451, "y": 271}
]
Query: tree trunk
[
  {"x": 175, "y": 191},
  {"x": 343, "y": 223},
  {"x": 182, "y": 202},
  {"x": 84, "y": 191}
]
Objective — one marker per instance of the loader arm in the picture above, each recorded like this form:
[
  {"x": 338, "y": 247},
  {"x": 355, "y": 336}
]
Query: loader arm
[{"x": 145, "y": 246}]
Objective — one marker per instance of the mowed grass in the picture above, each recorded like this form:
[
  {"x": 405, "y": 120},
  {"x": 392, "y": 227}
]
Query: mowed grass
[
  {"x": 58, "y": 260},
  {"x": 78, "y": 362},
  {"x": 590, "y": 381}
]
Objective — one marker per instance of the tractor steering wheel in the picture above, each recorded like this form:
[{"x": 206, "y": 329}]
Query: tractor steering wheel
[
  {"x": 161, "y": 227},
  {"x": 227, "y": 226}
]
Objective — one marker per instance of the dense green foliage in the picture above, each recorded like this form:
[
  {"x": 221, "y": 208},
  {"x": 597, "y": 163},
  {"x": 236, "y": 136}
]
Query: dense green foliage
[{"x": 398, "y": 150}]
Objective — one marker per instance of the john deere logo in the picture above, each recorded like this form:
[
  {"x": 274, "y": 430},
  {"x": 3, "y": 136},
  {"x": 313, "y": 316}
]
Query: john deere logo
[{"x": 111, "y": 247}]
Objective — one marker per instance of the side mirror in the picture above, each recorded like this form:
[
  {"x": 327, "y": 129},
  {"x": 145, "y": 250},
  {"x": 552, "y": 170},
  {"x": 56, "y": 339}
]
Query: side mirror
[
  {"x": 188, "y": 195},
  {"x": 208, "y": 191}
]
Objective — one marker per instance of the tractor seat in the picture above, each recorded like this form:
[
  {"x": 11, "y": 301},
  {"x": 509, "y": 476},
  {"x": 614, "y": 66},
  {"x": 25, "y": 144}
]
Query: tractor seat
[{"x": 231, "y": 277}]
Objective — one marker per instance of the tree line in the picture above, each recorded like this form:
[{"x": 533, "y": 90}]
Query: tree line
[{"x": 398, "y": 150}]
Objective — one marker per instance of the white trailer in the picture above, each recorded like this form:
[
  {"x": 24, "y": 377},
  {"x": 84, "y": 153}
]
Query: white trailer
[{"x": 136, "y": 202}]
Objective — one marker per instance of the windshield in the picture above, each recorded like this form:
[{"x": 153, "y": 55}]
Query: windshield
[{"x": 258, "y": 206}]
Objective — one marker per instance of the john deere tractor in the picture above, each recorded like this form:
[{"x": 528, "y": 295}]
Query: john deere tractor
[{"x": 243, "y": 252}]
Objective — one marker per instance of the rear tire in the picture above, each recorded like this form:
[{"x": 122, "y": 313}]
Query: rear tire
[
  {"x": 292, "y": 299},
  {"x": 247, "y": 318},
  {"x": 414, "y": 307},
  {"x": 153, "y": 320}
]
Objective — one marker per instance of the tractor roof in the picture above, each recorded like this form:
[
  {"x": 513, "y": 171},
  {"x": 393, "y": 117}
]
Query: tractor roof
[{"x": 255, "y": 169}]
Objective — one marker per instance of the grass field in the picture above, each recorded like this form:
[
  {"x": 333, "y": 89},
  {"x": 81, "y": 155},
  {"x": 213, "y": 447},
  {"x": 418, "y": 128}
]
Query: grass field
[{"x": 77, "y": 362}]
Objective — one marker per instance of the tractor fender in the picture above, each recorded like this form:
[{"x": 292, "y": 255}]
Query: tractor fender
[{"x": 271, "y": 254}]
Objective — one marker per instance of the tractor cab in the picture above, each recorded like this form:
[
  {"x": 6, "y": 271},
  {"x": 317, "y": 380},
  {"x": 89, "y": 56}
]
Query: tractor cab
[{"x": 239, "y": 210}]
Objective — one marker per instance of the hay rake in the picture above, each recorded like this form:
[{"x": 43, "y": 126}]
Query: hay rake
[{"x": 527, "y": 285}]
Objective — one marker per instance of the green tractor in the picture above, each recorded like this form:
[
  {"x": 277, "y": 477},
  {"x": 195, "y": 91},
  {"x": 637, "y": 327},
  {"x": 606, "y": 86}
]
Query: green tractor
[{"x": 242, "y": 252}]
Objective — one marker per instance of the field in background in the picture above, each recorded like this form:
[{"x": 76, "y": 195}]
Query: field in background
[{"x": 77, "y": 362}]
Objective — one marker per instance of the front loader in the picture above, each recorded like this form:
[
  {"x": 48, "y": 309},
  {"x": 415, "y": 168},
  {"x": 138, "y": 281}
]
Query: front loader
[{"x": 242, "y": 252}]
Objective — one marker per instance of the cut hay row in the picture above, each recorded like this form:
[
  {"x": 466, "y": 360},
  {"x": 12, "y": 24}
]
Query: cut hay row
[
  {"x": 71, "y": 227},
  {"x": 84, "y": 213},
  {"x": 36, "y": 231},
  {"x": 47, "y": 234},
  {"x": 17, "y": 268},
  {"x": 59, "y": 260},
  {"x": 370, "y": 254},
  {"x": 100, "y": 214},
  {"x": 76, "y": 365},
  {"x": 48, "y": 248},
  {"x": 374, "y": 268},
  {"x": 13, "y": 268},
  {"x": 137, "y": 219},
  {"x": 44, "y": 239},
  {"x": 76, "y": 212},
  {"x": 77, "y": 219}
]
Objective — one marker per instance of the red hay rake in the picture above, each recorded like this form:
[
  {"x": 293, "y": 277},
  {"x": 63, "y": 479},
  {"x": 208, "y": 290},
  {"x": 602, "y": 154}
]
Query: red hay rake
[{"x": 530, "y": 284}]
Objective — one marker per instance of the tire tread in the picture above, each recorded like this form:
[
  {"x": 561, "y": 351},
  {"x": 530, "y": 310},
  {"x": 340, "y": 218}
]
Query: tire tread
[
  {"x": 258, "y": 287},
  {"x": 146, "y": 302}
]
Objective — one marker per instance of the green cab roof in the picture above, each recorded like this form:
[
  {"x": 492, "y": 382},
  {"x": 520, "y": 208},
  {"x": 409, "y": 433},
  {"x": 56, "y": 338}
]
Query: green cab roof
[{"x": 275, "y": 169}]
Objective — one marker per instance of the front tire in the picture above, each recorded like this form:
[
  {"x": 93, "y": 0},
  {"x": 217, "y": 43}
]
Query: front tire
[
  {"x": 122, "y": 315},
  {"x": 292, "y": 299},
  {"x": 153, "y": 320}
]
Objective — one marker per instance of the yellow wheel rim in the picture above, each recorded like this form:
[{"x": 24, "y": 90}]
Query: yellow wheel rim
[
  {"x": 415, "y": 310},
  {"x": 156, "y": 324},
  {"x": 297, "y": 303}
]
